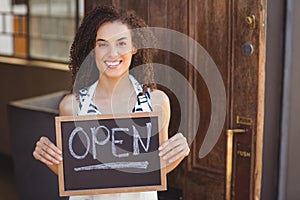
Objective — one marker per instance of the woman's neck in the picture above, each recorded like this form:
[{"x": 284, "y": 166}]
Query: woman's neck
[{"x": 109, "y": 87}]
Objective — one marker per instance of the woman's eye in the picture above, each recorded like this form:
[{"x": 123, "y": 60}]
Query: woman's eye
[
  {"x": 122, "y": 43},
  {"x": 102, "y": 45}
]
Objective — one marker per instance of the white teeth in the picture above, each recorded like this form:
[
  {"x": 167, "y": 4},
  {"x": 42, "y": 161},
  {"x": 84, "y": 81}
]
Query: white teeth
[{"x": 112, "y": 63}]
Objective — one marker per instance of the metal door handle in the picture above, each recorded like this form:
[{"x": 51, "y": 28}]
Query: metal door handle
[{"x": 230, "y": 134}]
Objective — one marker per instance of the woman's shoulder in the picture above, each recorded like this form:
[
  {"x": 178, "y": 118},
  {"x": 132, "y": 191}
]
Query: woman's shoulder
[
  {"x": 68, "y": 105},
  {"x": 158, "y": 97},
  {"x": 161, "y": 104}
]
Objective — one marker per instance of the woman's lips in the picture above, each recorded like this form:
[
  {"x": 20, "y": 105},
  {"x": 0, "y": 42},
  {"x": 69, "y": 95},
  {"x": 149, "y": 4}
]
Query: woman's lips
[{"x": 113, "y": 64}]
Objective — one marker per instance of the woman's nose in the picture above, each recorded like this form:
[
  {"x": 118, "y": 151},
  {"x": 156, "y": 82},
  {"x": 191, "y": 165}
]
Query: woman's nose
[{"x": 113, "y": 51}]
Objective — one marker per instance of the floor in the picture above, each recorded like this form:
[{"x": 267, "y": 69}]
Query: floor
[{"x": 8, "y": 190}]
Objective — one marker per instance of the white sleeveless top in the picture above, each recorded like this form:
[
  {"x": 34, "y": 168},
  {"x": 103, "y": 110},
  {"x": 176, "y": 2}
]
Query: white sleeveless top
[{"x": 87, "y": 107}]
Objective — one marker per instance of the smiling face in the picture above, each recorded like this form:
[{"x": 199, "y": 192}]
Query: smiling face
[{"x": 113, "y": 49}]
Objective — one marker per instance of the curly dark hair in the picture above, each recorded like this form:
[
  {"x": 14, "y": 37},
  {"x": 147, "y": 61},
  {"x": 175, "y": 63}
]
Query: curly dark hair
[{"x": 82, "y": 49}]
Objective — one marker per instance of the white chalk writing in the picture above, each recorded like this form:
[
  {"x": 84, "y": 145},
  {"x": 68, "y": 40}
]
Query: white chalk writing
[
  {"x": 95, "y": 140},
  {"x": 114, "y": 141},
  {"x": 74, "y": 132},
  {"x": 114, "y": 165},
  {"x": 103, "y": 130},
  {"x": 137, "y": 137}
]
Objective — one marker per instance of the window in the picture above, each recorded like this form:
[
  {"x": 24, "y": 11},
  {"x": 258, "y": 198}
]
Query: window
[
  {"x": 13, "y": 29},
  {"x": 39, "y": 29}
]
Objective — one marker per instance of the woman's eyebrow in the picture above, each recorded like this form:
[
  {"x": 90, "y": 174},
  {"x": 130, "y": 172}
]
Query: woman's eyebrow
[
  {"x": 122, "y": 38},
  {"x": 101, "y": 40}
]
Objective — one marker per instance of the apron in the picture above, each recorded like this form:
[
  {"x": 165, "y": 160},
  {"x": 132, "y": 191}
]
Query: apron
[{"x": 87, "y": 107}]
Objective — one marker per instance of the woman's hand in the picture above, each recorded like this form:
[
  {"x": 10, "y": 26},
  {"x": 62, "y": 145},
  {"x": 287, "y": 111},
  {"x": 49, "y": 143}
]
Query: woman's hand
[
  {"x": 46, "y": 152},
  {"x": 174, "y": 150}
]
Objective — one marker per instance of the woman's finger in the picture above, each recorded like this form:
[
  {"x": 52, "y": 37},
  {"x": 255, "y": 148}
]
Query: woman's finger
[
  {"x": 175, "y": 151},
  {"x": 176, "y": 157},
  {"x": 47, "y": 152},
  {"x": 51, "y": 151},
  {"x": 37, "y": 156},
  {"x": 44, "y": 157},
  {"x": 47, "y": 142},
  {"x": 172, "y": 143},
  {"x": 172, "y": 139}
]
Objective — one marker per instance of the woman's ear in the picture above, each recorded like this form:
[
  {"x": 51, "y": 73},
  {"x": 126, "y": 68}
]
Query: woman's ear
[{"x": 134, "y": 50}]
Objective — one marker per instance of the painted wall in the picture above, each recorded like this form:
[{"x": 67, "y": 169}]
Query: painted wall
[
  {"x": 273, "y": 97},
  {"x": 289, "y": 183}
]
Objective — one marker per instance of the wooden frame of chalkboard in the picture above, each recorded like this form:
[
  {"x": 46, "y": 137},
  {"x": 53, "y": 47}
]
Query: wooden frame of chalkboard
[{"x": 105, "y": 154}]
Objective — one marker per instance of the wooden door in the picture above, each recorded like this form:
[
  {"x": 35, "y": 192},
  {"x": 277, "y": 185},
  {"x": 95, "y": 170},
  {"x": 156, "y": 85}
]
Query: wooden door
[{"x": 233, "y": 33}]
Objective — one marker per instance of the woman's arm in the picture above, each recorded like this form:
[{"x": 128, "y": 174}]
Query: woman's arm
[
  {"x": 45, "y": 151},
  {"x": 175, "y": 149}
]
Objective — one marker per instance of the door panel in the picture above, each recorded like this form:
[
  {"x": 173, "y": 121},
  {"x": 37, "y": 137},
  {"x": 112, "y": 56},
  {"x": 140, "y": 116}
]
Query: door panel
[
  {"x": 205, "y": 177},
  {"x": 223, "y": 28},
  {"x": 211, "y": 31}
]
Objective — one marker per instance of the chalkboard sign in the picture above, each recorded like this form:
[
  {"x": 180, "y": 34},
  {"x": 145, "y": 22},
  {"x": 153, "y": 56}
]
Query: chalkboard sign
[{"x": 109, "y": 153}]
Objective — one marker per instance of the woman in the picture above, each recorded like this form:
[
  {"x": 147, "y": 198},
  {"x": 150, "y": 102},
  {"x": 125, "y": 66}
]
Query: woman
[{"x": 104, "y": 85}]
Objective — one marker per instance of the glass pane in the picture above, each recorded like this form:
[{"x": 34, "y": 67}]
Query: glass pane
[
  {"x": 81, "y": 8},
  {"x": 20, "y": 46},
  {"x": 49, "y": 49},
  {"x": 24, "y": 25},
  {"x": 61, "y": 8},
  {"x": 48, "y": 27},
  {"x": 8, "y": 23},
  {"x": 38, "y": 48},
  {"x": 1, "y": 24},
  {"x": 20, "y": 23},
  {"x": 58, "y": 50},
  {"x": 34, "y": 26},
  {"x": 6, "y": 45},
  {"x": 17, "y": 25},
  {"x": 20, "y": 9},
  {"x": 39, "y": 7},
  {"x": 72, "y": 8},
  {"x": 66, "y": 29},
  {"x": 5, "y": 6}
]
